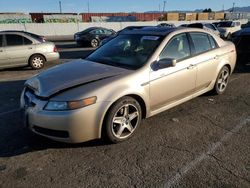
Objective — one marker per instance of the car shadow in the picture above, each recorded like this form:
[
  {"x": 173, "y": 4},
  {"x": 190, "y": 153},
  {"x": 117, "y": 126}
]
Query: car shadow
[
  {"x": 242, "y": 67},
  {"x": 16, "y": 139}
]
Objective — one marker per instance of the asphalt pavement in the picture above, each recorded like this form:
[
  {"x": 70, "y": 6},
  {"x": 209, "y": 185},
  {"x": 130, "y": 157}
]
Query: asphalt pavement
[{"x": 202, "y": 143}]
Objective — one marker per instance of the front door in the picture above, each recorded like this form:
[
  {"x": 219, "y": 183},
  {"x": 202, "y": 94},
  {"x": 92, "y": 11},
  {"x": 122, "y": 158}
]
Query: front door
[
  {"x": 172, "y": 84},
  {"x": 205, "y": 51}
]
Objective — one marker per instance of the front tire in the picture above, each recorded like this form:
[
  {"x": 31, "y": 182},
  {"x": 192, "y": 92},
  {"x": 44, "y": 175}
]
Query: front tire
[
  {"x": 222, "y": 81},
  {"x": 123, "y": 119},
  {"x": 37, "y": 61}
]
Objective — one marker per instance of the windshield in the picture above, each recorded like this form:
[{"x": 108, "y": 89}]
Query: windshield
[
  {"x": 225, "y": 24},
  {"x": 128, "y": 51}
]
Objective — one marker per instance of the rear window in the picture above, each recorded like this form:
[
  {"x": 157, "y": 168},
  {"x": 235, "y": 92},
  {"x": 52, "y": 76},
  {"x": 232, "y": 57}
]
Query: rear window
[
  {"x": 14, "y": 40},
  {"x": 27, "y": 41},
  {"x": 97, "y": 32},
  {"x": 212, "y": 42},
  {"x": 107, "y": 32},
  {"x": 1, "y": 40},
  {"x": 201, "y": 42}
]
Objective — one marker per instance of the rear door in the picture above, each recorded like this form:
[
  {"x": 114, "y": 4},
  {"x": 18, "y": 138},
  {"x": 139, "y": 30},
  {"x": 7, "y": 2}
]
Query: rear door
[
  {"x": 18, "y": 49},
  {"x": 3, "y": 57},
  {"x": 205, "y": 51}
]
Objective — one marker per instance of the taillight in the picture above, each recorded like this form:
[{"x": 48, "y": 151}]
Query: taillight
[{"x": 55, "y": 49}]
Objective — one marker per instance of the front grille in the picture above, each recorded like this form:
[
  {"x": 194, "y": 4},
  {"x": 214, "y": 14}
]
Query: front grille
[{"x": 49, "y": 132}]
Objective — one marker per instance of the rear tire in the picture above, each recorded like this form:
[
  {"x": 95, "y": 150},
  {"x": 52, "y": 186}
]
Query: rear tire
[
  {"x": 222, "y": 81},
  {"x": 229, "y": 36},
  {"x": 94, "y": 43},
  {"x": 122, "y": 120},
  {"x": 37, "y": 61}
]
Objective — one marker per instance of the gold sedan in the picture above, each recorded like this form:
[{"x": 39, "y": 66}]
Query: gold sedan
[{"x": 139, "y": 73}]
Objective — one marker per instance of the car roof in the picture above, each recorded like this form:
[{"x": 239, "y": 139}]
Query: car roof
[
  {"x": 150, "y": 30},
  {"x": 92, "y": 28},
  {"x": 243, "y": 32}
]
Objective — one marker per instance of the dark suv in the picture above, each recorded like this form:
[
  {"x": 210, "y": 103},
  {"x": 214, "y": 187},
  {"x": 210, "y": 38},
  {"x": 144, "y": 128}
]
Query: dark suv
[
  {"x": 241, "y": 40},
  {"x": 92, "y": 36}
]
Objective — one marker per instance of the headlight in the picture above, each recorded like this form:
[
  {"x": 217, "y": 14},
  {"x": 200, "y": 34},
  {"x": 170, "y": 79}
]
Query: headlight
[{"x": 69, "y": 105}]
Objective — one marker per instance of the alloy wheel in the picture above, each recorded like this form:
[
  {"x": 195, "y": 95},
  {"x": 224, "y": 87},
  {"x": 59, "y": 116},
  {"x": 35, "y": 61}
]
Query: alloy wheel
[
  {"x": 125, "y": 121},
  {"x": 223, "y": 80},
  {"x": 37, "y": 62},
  {"x": 94, "y": 43}
]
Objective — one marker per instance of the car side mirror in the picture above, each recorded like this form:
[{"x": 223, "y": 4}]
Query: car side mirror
[{"x": 166, "y": 62}]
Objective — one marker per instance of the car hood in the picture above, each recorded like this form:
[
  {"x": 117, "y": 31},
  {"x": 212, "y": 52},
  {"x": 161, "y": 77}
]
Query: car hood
[{"x": 71, "y": 75}]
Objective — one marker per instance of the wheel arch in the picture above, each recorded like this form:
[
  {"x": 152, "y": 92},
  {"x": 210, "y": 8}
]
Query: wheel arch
[
  {"x": 138, "y": 98},
  {"x": 37, "y": 54}
]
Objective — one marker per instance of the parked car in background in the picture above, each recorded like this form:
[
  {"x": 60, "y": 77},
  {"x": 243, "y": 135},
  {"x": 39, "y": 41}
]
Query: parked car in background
[
  {"x": 170, "y": 25},
  {"x": 207, "y": 26},
  {"x": 93, "y": 36},
  {"x": 38, "y": 37},
  {"x": 227, "y": 28},
  {"x": 17, "y": 48},
  {"x": 138, "y": 74},
  {"x": 245, "y": 25},
  {"x": 104, "y": 41},
  {"x": 183, "y": 25},
  {"x": 241, "y": 40},
  {"x": 215, "y": 23}
]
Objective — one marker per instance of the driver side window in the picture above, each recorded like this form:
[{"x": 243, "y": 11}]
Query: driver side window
[{"x": 178, "y": 48}]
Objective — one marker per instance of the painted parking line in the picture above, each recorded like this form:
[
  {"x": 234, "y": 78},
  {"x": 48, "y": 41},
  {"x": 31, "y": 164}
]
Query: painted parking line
[
  {"x": 175, "y": 180},
  {"x": 9, "y": 112}
]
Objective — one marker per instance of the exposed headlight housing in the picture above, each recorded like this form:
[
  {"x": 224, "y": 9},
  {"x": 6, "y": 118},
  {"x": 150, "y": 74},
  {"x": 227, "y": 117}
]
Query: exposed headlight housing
[{"x": 69, "y": 105}]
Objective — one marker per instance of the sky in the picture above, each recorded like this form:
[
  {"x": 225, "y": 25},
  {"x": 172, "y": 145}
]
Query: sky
[{"x": 115, "y": 5}]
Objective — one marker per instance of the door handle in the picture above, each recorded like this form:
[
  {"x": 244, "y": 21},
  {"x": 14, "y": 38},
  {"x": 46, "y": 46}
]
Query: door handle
[
  {"x": 191, "y": 66},
  {"x": 1, "y": 50},
  {"x": 30, "y": 48}
]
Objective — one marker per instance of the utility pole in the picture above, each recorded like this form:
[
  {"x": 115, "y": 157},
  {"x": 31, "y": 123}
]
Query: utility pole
[
  {"x": 233, "y": 7},
  {"x": 164, "y": 6},
  {"x": 223, "y": 8},
  {"x": 159, "y": 7},
  {"x": 88, "y": 6},
  {"x": 60, "y": 6}
]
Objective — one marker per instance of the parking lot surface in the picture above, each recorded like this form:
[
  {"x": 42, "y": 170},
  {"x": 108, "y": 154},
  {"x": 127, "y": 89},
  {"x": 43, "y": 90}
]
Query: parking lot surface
[{"x": 201, "y": 143}]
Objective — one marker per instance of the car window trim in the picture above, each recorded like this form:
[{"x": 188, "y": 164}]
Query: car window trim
[
  {"x": 24, "y": 37},
  {"x": 184, "y": 58}
]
